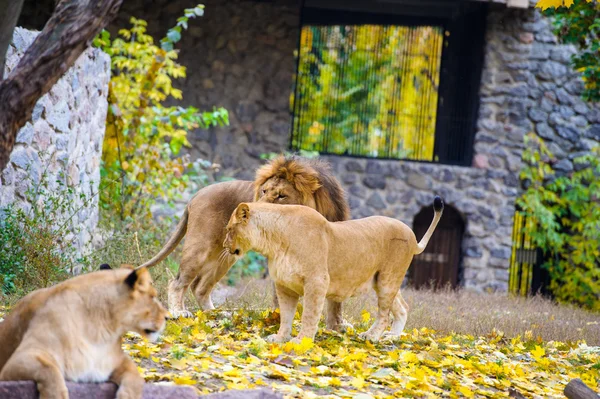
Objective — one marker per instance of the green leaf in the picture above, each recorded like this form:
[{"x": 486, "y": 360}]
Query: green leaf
[{"x": 174, "y": 36}]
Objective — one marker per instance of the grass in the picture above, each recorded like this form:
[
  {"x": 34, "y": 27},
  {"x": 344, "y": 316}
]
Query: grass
[{"x": 461, "y": 312}]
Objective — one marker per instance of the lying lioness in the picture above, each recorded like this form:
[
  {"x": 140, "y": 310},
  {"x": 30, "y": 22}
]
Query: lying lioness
[
  {"x": 73, "y": 331},
  {"x": 318, "y": 259}
]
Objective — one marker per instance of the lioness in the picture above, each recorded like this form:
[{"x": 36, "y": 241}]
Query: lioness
[
  {"x": 73, "y": 331},
  {"x": 318, "y": 259},
  {"x": 284, "y": 180}
]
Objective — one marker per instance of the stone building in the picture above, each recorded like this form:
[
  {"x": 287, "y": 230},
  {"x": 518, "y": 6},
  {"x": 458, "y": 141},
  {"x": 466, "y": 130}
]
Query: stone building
[{"x": 240, "y": 55}]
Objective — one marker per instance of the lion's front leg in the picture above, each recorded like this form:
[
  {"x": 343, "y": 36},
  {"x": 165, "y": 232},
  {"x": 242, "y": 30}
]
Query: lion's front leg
[
  {"x": 314, "y": 300},
  {"x": 288, "y": 301},
  {"x": 40, "y": 367},
  {"x": 126, "y": 376}
]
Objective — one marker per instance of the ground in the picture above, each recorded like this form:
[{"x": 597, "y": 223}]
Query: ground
[
  {"x": 226, "y": 350},
  {"x": 482, "y": 346}
]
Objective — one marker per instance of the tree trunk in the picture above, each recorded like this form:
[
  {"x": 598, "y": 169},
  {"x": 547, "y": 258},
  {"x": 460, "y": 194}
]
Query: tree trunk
[
  {"x": 576, "y": 389},
  {"x": 8, "y": 20},
  {"x": 67, "y": 34}
]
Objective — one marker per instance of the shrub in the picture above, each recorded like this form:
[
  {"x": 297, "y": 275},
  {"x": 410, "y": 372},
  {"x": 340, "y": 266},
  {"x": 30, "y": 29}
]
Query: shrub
[
  {"x": 38, "y": 246},
  {"x": 563, "y": 219},
  {"x": 143, "y": 136}
]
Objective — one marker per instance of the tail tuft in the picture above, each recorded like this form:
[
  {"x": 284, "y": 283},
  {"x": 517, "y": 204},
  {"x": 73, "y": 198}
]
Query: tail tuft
[
  {"x": 105, "y": 266},
  {"x": 438, "y": 204}
]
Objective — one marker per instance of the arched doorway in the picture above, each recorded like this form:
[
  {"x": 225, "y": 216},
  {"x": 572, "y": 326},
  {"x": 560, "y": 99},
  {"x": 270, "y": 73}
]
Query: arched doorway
[{"x": 438, "y": 265}]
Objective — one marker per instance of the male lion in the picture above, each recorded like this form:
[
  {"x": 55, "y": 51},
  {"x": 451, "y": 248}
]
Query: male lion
[
  {"x": 285, "y": 180},
  {"x": 313, "y": 257},
  {"x": 73, "y": 331}
]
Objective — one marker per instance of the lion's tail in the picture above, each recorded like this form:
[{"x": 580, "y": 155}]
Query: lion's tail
[
  {"x": 180, "y": 231},
  {"x": 438, "y": 208}
]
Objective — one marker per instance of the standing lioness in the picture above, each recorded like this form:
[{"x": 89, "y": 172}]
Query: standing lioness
[{"x": 318, "y": 259}]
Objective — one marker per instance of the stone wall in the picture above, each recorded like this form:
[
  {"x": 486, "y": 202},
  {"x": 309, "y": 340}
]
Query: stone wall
[
  {"x": 240, "y": 56},
  {"x": 63, "y": 140}
]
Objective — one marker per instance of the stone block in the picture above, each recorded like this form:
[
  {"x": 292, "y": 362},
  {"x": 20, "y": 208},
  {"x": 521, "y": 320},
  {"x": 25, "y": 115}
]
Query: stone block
[
  {"x": 419, "y": 181},
  {"x": 25, "y": 135},
  {"x": 27, "y": 389},
  {"x": 375, "y": 182},
  {"x": 375, "y": 201},
  {"x": 354, "y": 166}
]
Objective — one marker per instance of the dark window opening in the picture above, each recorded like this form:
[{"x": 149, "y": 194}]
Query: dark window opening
[{"x": 389, "y": 86}]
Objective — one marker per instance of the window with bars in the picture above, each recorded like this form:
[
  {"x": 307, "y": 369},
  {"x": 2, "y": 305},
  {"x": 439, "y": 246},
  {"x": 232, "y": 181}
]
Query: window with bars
[{"x": 388, "y": 86}]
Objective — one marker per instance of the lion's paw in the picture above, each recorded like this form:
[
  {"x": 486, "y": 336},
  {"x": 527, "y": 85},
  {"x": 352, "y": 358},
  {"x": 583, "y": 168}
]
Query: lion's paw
[
  {"x": 175, "y": 314},
  {"x": 276, "y": 339},
  {"x": 368, "y": 337}
]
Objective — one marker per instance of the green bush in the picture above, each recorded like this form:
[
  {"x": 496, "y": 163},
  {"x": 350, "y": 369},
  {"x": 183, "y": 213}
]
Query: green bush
[
  {"x": 563, "y": 219},
  {"x": 38, "y": 246}
]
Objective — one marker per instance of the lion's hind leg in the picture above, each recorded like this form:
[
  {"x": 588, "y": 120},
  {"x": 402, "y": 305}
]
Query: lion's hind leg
[
  {"x": 400, "y": 312},
  {"x": 386, "y": 287},
  {"x": 39, "y": 366},
  {"x": 334, "y": 318},
  {"x": 191, "y": 263}
]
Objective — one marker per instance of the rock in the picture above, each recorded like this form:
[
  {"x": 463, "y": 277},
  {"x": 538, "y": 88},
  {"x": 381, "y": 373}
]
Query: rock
[
  {"x": 564, "y": 166},
  {"x": 58, "y": 117},
  {"x": 244, "y": 394},
  {"x": 538, "y": 115},
  {"x": 21, "y": 157},
  {"x": 566, "y": 111},
  {"x": 593, "y": 132},
  {"x": 358, "y": 191},
  {"x": 501, "y": 253},
  {"x": 25, "y": 135},
  {"x": 480, "y": 161},
  {"x": 418, "y": 181},
  {"x": 445, "y": 175},
  {"x": 375, "y": 201},
  {"x": 354, "y": 166},
  {"x": 354, "y": 203},
  {"x": 392, "y": 198},
  {"x": 564, "y": 97},
  {"x": 567, "y": 133},
  {"x": 27, "y": 389},
  {"x": 375, "y": 167},
  {"x": 544, "y": 131},
  {"x": 551, "y": 70},
  {"x": 349, "y": 178},
  {"x": 374, "y": 182},
  {"x": 246, "y": 111},
  {"x": 473, "y": 252}
]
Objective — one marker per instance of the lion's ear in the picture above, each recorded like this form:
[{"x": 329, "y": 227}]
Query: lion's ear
[
  {"x": 131, "y": 279},
  {"x": 105, "y": 266},
  {"x": 137, "y": 277},
  {"x": 243, "y": 212}
]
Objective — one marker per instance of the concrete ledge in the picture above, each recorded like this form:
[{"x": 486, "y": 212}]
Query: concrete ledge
[{"x": 27, "y": 389}]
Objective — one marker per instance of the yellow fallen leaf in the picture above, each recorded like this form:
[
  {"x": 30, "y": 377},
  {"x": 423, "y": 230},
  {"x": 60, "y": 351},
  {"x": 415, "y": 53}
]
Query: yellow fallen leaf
[
  {"x": 358, "y": 382},
  {"x": 184, "y": 380}
]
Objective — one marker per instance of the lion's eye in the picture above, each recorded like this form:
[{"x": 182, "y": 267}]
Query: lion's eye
[
  {"x": 281, "y": 196},
  {"x": 263, "y": 192}
]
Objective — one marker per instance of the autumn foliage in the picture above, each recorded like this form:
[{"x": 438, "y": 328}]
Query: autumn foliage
[
  {"x": 143, "y": 137},
  {"x": 226, "y": 350}
]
